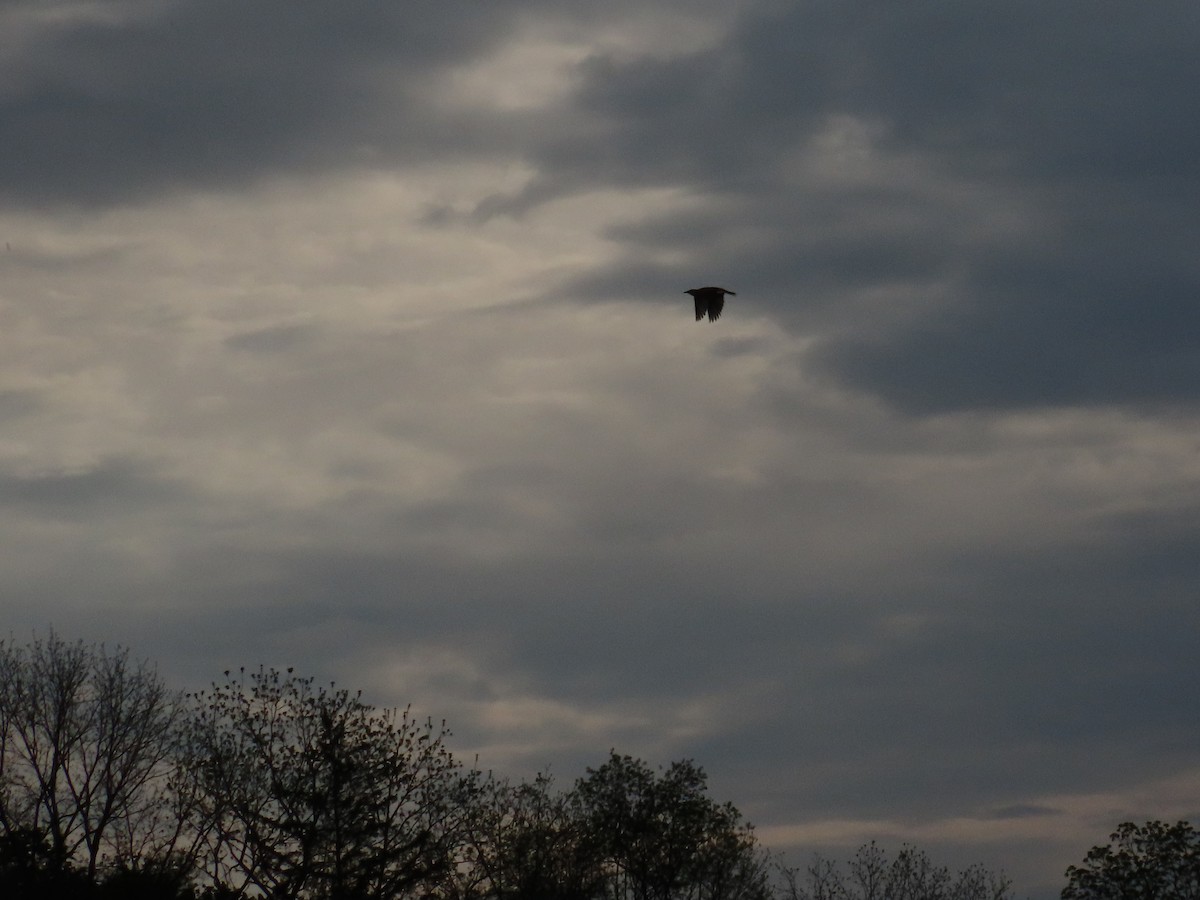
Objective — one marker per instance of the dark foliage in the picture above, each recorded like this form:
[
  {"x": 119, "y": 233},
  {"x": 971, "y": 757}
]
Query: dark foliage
[
  {"x": 659, "y": 836},
  {"x": 31, "y": 867},
  {"x": 114, "y": 788},
  {"x": 623, "y": 831},
  {"x": 524, "y": 841},
  {"x": 1154, "y": 861}
]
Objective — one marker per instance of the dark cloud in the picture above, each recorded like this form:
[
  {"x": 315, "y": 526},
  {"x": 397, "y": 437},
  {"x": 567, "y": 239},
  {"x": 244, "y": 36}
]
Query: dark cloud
[
  {"x": 157, "y": 95},
  {"x": 1104, "y": 316},
  {"x": 1007, "y": 674},
  {"x": 1016, "y": 88},
  {"x": 276, "y": 339},
  {"x": 107, "y": 487},
  {"x": 1084, "y": 120},
  {"x": 1023, "y": 811},
  {"x": 878, "y": 549}
]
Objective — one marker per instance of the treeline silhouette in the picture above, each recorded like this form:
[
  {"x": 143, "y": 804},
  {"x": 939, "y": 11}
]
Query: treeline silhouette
[{"x": 266, "y": 785}]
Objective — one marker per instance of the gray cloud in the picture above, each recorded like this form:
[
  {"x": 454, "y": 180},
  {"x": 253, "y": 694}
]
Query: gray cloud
[
  {"x": 159, "y": 96},
  {"x": 152, "y": 96},
  {"x": 15, "y": 404},
  {"x": 1082, "y": 120},
  {"x": 1023, "y": 811},
  {"x": 405, "y": 391},
  {"x": 274, "y": 339},
  {"x": 97, "y": 489}
]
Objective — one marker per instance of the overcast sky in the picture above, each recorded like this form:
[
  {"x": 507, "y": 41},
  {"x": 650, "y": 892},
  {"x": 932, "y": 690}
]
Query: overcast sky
[{"x": 352, "y": 336}]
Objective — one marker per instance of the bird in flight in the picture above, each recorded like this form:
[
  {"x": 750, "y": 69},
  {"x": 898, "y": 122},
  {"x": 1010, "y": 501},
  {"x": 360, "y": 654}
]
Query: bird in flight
[{"x": 710, "y": 301}]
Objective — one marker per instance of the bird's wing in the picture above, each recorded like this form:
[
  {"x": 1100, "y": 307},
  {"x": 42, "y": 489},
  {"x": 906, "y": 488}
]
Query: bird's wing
[
  {"x": 701, "y": 306},
  {"x": 715, "y": 305}
]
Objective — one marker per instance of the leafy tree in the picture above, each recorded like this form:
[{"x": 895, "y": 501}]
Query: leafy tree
[
  {"x": 660, "y": 836},
  {"x": 1154, "y": 861},
  {"x": 311, "y": 793},
  {"x": 524, "y": 842},
  {"x": 154, "y": 883},
  {"x": 911, "y": 875},
  {"x": 86, "y": 737},
  {"x": 29, "y": 867}
]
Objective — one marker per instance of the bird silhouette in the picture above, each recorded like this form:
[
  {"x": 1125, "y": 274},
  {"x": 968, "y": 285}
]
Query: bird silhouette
[{"x": 709, "y": 301}]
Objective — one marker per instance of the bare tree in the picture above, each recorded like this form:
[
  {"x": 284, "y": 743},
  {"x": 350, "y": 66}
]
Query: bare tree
[
  {"x": 312, "y": 793},
  {"x": 911, "y": 875},
  {"x": 85, "y": 743}
]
